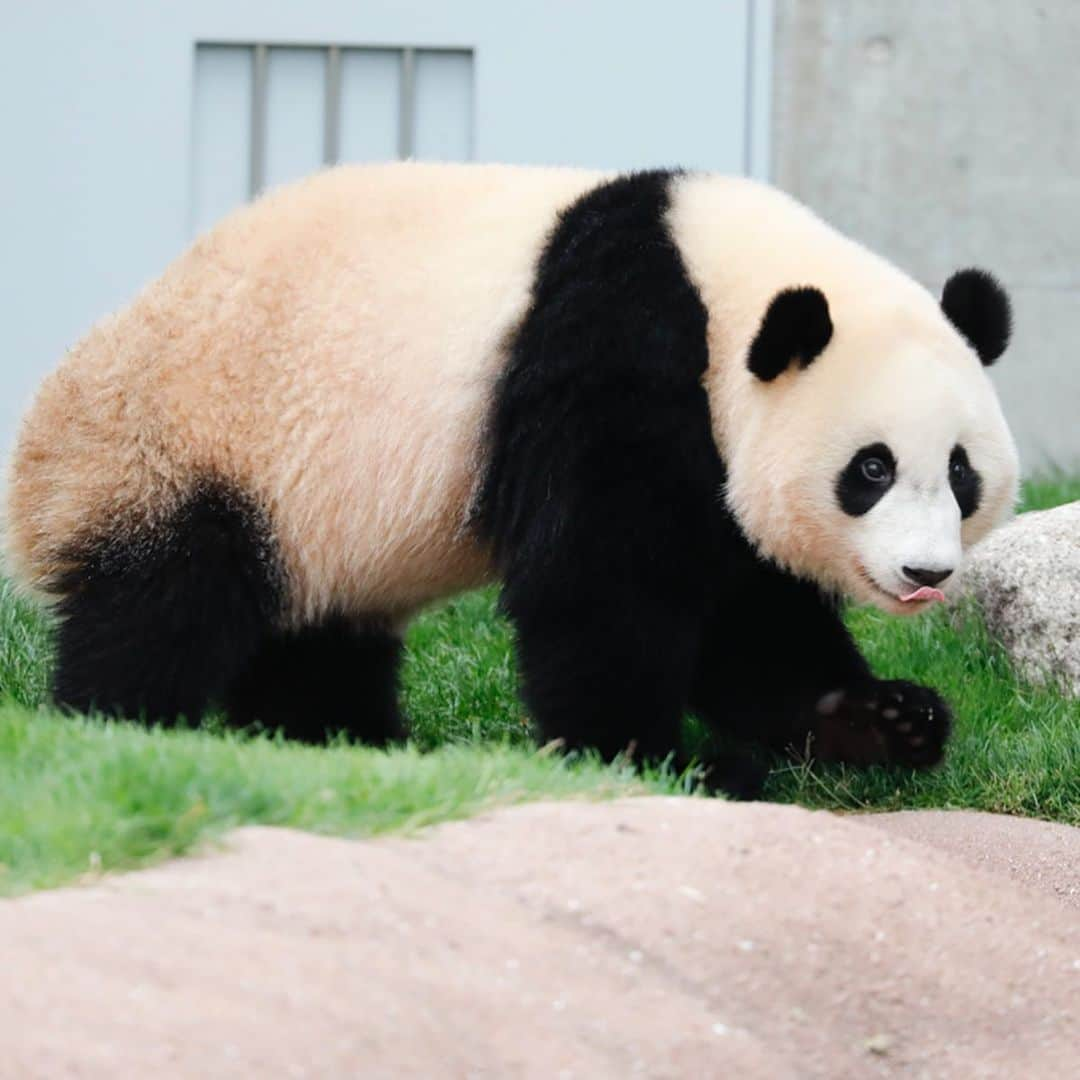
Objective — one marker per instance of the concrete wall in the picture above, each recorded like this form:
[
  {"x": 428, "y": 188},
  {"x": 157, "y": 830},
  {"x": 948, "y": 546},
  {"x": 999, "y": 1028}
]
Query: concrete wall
[{"x": 943, "y": 135}]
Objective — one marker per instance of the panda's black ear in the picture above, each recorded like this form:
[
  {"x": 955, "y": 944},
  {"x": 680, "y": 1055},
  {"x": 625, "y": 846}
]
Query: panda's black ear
[
  {"x": 796, "y": 327},
  {"x": 976, "y": 304}
]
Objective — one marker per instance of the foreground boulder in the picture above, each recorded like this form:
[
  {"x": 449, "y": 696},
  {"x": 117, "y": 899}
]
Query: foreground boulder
[
  {"x": 652, "y": 937},
  {"x": 1026, "y": 580}
]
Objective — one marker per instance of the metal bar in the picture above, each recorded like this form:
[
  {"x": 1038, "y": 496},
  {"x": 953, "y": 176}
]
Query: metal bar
[
  {"x": 332, "y": 107},
  {"x": 259, "y": 69},
  {"x": 407, "y": 103},
  {"x": 470, "y": 56}
]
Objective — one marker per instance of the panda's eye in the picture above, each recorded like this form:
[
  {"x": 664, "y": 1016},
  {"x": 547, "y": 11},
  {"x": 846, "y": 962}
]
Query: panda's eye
[
  {"x": 875, "y": 470},
  {"x": 964, "y": 481}
]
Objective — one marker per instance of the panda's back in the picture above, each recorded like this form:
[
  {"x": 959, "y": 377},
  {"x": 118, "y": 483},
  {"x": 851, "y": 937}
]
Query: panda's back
[{"x": 328, "y": 352}]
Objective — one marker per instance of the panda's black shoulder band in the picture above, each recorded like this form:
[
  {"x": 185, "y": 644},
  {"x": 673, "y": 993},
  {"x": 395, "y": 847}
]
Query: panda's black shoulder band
[{"x": 796, "y": 326}]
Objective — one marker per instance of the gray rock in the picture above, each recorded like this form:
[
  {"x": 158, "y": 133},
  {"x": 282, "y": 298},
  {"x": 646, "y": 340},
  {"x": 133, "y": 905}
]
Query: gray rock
[{"x": 1026, "y": 579}]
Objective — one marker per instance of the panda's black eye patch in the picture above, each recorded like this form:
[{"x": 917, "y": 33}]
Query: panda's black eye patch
[
  {"x": 965, "y": 482},
  {"x": 865, "y": 479}
]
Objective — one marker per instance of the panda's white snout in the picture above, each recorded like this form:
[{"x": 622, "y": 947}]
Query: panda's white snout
[{"x": 912, "y": 547}]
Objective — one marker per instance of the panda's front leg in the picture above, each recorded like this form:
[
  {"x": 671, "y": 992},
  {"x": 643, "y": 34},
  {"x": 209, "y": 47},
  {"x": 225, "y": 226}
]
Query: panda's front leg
[
  {"x": 601, "y": 528},
  {"x": 609, "y": 674},
  {"x": 779, "y": 667}
]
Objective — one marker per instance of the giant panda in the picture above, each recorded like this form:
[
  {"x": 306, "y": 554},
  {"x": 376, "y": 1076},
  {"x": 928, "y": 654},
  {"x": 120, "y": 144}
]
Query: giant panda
[{"x": 675, "y": 414}]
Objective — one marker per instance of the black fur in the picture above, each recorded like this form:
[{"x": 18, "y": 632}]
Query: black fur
[
  {"x": 162, "y": 622},
  {"x": 977, "y": 305},
  {"x": 155, "y": 621},
  {"x": 965, "y": 482},
  {"x": 321, "y": 681},
  {"x": 796, "y": 326},
  {"x": 881, "y": 721},
  {"x": 634, "y": 594},
  {"x": 856, "y": 491},
  {"x": 602, "y": 477}
]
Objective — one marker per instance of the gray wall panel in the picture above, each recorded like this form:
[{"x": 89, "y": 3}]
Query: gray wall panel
[
  {"x": 220, "y": 133},
  {"x": 946, "y": 134},
  {"x": 443, "y": 117},
  {"x": 370, "y": 90},
  {"x": 295, "y": 103}
]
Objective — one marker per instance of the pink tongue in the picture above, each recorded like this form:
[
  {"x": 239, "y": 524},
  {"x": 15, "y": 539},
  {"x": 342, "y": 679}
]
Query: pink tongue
[{"x": 924, "y": 592}]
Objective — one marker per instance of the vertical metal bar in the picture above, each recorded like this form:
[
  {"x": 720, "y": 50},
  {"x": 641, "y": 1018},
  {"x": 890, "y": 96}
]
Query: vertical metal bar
[
  {"x": 470, "y": 56},
  {"x": 332, "y": 107},
  {"x": 407, "y": 103},
  {"x": 748, "y": 92},
  {"x": 259, "y": 69}
]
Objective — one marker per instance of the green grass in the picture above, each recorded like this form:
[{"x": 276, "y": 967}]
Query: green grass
[
  {"x": 24, "y": 651},
  {"x": 459, "y": 676},
  {"x": 79, "y": 796},
  {"x": 1054, "y": 489}
]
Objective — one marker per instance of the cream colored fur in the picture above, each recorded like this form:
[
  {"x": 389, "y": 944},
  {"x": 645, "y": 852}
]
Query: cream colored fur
[{"x": 332, "y": 350}]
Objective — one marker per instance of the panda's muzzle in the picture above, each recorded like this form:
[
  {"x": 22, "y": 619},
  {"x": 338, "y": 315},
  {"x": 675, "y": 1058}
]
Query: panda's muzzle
[{"x": 920, "y": 575}]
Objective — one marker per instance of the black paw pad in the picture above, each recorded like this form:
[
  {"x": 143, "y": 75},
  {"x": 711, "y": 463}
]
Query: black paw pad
[
  {"x": 915, "y": 722},
  {"x": 897, "y": 722}
]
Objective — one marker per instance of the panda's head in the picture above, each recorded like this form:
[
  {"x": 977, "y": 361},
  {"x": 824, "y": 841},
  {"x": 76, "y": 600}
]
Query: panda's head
[{"x": 871, "y": 451}]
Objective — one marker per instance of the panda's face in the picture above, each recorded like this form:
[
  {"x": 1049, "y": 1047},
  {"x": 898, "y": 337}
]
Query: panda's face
[
  {"x": 922, "y": 477},
  {"x": 872, "y": 463}
]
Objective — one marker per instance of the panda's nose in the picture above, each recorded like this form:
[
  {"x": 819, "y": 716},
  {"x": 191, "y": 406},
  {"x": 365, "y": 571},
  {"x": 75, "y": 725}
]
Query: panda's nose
[{"x": 920, "y": 575}]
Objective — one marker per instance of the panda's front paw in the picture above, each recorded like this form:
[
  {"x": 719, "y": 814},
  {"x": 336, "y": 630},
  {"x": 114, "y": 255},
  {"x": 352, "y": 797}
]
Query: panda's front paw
[{"x": 882, "y": 721}]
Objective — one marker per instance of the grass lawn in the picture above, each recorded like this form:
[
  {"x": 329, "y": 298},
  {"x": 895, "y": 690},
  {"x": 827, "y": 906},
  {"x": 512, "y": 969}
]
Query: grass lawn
[{"x": 79, "y": 796}]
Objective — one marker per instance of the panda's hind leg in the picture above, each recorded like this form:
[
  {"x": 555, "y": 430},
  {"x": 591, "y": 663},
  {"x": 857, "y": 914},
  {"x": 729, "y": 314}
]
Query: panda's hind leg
[
  {"x": 155, "y": 619},
  {"x": 339, "y": 677}
]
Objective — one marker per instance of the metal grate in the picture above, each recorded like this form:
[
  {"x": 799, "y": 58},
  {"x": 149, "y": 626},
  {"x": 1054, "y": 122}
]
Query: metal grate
[
  {"x": 265, "y": 113},
  {"x": 332, "y": 102}
]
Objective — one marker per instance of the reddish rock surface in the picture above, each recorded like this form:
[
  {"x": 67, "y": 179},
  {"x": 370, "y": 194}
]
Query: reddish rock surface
[{"x": 646, "y": 937}]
